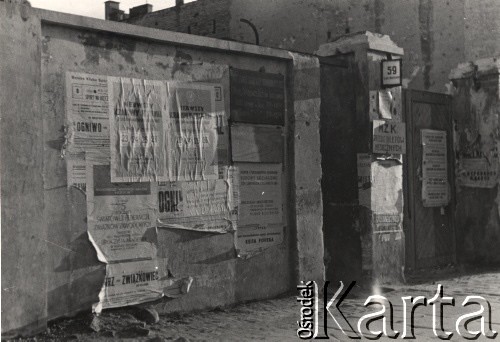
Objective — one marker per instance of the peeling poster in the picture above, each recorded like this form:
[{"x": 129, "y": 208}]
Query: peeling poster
[
  {"x": 130, "y": 283},
  {"x": 193, "y": 128},
  {"x": 209, "y": 206},
  {"x": 120, "y": 216},
  {"x": 435, "y": 188},
  {"x": 137, "y": 114},
  {"x": 253, "y": 239},
  {"x": 260, "y": 194}
]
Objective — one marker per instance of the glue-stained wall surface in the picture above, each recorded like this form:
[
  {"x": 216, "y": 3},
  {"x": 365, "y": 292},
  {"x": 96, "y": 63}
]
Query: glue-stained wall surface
[{"x": 202, "y": 269}]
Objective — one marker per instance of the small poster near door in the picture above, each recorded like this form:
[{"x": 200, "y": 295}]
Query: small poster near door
[{"x": 435, "y": 188}]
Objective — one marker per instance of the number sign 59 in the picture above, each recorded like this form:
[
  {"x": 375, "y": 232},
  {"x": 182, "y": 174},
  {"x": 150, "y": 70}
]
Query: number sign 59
[{"x": 391, "y": 72}]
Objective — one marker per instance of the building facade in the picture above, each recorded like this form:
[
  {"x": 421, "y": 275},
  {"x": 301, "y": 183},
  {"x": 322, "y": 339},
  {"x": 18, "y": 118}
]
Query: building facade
[{"x": 436, "y": 35}]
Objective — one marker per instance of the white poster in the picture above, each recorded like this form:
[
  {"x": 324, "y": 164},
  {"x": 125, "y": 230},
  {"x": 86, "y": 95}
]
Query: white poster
[
  {"x": 479, "y": 172},
  {"x": 435, "y": 188},
  {"x": 137, "y": 111},
  {"x": 87, "y": 113},
  {"x": 209, "y": 206},
  {"x": 253, "y": 239},
  {"x": 260, "y": 194},
  {"x": 389, "y": 103},
  {"x": 130, "y": 283},
  {"x": 121, "y": 217},
  {"x": 193, "y": 128}
]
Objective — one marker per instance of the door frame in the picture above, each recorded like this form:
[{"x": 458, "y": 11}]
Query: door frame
[{"x": 409, "y": 173}]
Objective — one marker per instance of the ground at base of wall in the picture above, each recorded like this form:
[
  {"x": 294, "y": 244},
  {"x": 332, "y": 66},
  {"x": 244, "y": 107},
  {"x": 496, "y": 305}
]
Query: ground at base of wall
[{"x": 276, "y": 320}]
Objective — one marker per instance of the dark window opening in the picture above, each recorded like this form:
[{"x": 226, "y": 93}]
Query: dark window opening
[
  {"x": 189, "y": 29},
  {"x": 214, "y": 26}
]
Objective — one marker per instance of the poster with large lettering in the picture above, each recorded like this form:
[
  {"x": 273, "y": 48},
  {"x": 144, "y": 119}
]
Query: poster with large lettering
[
  {"x": 121, "y": 217},
  {"x": 435, "y": 187},
  {"x": 208, "y": 206},
  {"x": 137, "y": 110},
  {"x": 191, "y": 143},
  {"x": 129, "y": 283}
]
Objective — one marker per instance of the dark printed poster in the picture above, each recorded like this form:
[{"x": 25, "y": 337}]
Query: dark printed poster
[{"x": 257, "y": 97}]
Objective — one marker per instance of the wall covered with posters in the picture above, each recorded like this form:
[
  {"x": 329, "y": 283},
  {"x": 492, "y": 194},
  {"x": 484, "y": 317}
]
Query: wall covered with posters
[
  {"x": 476, "y": 109},
  {"x": 151, "y": 189},
  {"x": 146, "y": 131}
]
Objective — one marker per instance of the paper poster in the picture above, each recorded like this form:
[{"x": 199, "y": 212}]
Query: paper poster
[
  {"x": 257, "y": 97},
  {"x": 374, "y": 105},
  {"x": 389, "y": 137},
  {"x": 193, "y": 132},
  {"x": 389, "y": 104},
  {"x": 87, "y": 113},
  {"x": 222, "y": 126},
  {"x": 137, "y": 111},
  {"x": 479, "y": 172},
  {"x": 121, "y": 217},
  {"x": 260, "y": 194},
  {"x": 364, "y": 161},
  {"x": 387, "y": 187},
  {"x": 130, "y": 283},
  {"x": 253, "y": 239},
  {"x": 385, "y": 223},
  {"x": 208, "y": 206},
  {"x": 258, "y": 144},
  {"x": 435, "y": 188},
  {"x": 76, "y": 167}
]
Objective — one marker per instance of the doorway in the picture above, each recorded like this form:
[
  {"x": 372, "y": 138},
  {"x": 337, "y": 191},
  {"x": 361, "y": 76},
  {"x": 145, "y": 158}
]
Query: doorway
[{"x": 429, "y": 181}]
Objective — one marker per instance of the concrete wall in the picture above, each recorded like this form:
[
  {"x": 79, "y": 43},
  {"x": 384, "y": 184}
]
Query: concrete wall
[
  {"x": 55, "y": 271},
  {"x": 476, "y": 110},
  {"x": 24, "y": 236}
]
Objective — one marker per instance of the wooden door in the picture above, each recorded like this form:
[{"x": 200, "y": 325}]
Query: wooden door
[{"x": 429, "y": 230}]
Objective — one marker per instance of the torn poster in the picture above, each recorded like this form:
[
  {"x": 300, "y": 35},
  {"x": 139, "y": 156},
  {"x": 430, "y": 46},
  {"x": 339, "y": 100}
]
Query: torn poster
[
  {"x": 364, "y": 161},
  {"x": 260, "y": 194},
  {"x": 389, "y": 137},
  {"x": 193, "y": 131},
  {"x": 87, "y": 113},
  {"x": 253, "y": 239},
  {"x": 387, "y": 187},
  {"x": 389, "y": 103},
  {"x": 479, "y": 172},
  {"x": 435, "y": 187},
  {"x": 208, "y": 206},
  {"x": 129, "y": 283},
  {"x": 120, "y": 216},
  {"x": 374, "y": 105},
  {"x": 222, "y": 125},
  {"x": 257, "y": 143},
  {"x": 137, "y": 110},
  {"x": 76, "y": 170}
]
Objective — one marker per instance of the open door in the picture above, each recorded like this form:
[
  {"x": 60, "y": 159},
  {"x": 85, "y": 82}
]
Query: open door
[{"x": 429, "y": 181}]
